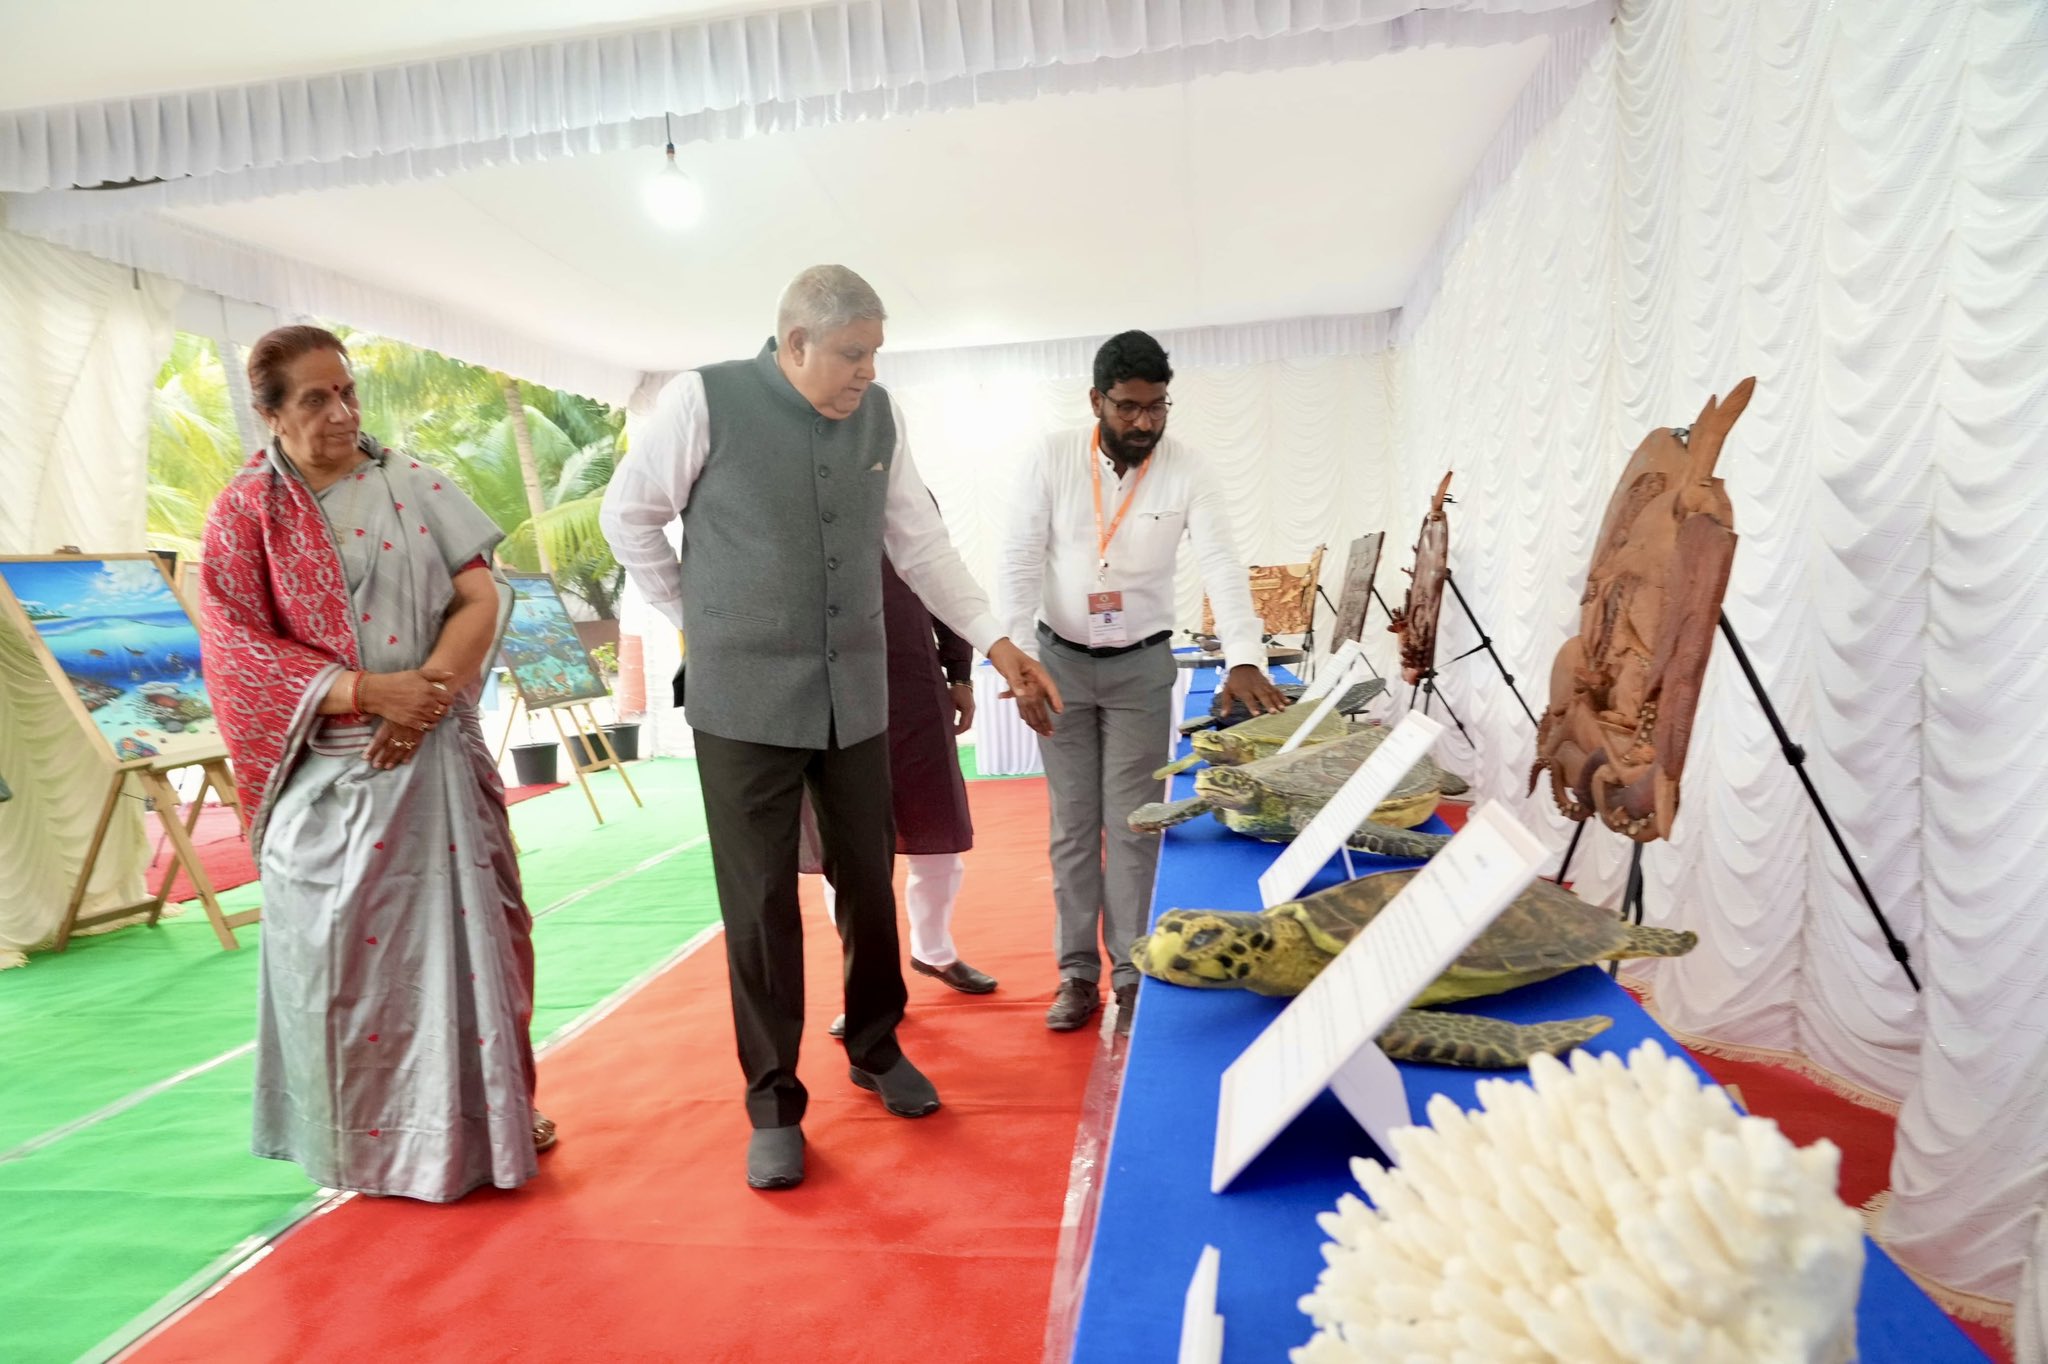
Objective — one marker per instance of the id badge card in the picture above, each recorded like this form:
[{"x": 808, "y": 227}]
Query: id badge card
[{"x": 1106, "y": 628}]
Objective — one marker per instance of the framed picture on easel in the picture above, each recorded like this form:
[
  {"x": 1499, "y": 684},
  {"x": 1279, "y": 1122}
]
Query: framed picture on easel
[
  {"x": 542, "y": 650},
  {"x": 117, "y": 639},
  {"x": 120, "y": 646},
  {"x": 1356, "y": 594},
  {"x": 552, "y": 671},
  {"x": 185, "y": 578}
]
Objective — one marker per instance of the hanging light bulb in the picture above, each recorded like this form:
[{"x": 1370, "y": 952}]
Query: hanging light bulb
[{"x": 674, "y": 200}]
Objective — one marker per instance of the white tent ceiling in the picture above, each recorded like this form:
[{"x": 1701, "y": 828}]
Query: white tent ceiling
[
  {"x": 57, "y": 53},
  {"x": 1232, "y": 198},
  {"x": 1018, "y": 171}
]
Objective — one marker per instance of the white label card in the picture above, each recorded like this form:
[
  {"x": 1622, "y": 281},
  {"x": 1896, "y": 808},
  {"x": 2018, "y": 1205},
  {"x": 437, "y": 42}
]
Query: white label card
[
  {"x": 1351, "y": 673},
  {"x": 1325, "y": 1037},
  {"x": 1201, "y": 1326},
  {"x": 1350, "y": 807},
  {"x": 1334, "y": 667}
]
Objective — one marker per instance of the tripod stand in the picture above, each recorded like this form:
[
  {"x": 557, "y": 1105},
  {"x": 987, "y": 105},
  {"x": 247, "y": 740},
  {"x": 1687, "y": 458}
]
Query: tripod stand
[
  {"x": 1333, "y": 611},
  {"x": 1795, "y": 756},
  {"x": 1485, "y": 642}
]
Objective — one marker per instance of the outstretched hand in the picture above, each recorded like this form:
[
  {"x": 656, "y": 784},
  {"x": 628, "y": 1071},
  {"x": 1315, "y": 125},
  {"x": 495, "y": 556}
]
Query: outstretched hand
[
  {"x": 1254, "y": 689},
  {"x": 1036, "y": 694}
]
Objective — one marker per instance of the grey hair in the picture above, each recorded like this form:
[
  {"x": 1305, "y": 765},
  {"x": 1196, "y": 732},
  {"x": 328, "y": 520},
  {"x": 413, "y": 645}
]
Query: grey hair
[{"x": 825, "y": 298}]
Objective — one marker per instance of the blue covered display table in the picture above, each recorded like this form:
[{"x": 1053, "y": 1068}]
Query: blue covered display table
[{"x": 1156, "y": 1212}]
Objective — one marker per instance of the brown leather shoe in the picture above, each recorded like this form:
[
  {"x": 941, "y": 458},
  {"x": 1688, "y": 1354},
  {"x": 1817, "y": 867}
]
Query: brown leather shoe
[
  {"x": 1073, "y": 1006},
  {"x": 959, "y": 975}
]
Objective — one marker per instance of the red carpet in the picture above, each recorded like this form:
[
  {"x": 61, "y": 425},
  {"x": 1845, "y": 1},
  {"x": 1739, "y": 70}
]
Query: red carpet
[
  {"x": 225, "y": 853},
  {"x": 917, "y": 1241},
  {"x": 929, "y": 1240}
]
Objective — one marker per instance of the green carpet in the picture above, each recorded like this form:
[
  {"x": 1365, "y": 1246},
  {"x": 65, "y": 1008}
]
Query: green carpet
[{"x": 126, "y": 1068}]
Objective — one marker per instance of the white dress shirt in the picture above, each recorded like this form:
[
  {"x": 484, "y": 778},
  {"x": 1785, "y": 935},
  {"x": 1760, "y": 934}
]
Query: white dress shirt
[
  {"x": 1050, "y": 565},
  {"x": 652, "y": 486}
]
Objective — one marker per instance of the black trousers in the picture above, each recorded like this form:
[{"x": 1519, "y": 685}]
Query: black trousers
[{"x": 752, "y": 804}]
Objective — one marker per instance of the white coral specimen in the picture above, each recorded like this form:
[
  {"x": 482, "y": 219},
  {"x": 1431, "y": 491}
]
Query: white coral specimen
[{"x": 1611, "y": 1214}]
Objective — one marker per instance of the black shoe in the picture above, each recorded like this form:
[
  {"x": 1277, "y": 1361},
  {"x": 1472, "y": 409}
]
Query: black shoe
[
  {"x": 902, "y": 1087},
  {"x": 775, "y": 1157},
  {"x": 959, "y": 975},
  {"x": 1126, "y": 1005},
  {"x": 838, "y": 1028},
  {"x": 1073, "y": 1006}
]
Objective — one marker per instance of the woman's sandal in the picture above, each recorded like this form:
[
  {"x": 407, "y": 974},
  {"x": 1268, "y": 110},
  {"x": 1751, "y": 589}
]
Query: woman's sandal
[{"x": 543, "y": 1134}]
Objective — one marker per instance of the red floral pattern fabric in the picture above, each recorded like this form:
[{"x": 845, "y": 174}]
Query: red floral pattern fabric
[{"x": 274, "y": 619}]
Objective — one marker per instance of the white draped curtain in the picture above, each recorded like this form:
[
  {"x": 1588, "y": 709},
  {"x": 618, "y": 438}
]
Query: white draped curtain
[
  {"x": 1850, "y": 202},
  {"x": 80, "y": 345}
]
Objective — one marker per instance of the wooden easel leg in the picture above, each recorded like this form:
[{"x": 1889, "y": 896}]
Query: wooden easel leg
[
  {"x": 170, "y": 817},
  {"x": 158, "y": 786},
  {"x": 223, "y": 779},
  {"x": 92, "y": 857},
  {"x": 611, "y": 756},
  {"x": 511, "y": 719},
  {"x": 579, "y": 768}
]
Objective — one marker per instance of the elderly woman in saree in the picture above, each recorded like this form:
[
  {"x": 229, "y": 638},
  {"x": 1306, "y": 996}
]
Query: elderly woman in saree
[{"x": 348, "y": 614}]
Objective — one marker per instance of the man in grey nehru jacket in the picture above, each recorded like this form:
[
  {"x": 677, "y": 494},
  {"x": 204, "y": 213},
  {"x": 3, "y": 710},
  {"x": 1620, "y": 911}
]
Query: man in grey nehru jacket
[{"x": 792, "y": 478}]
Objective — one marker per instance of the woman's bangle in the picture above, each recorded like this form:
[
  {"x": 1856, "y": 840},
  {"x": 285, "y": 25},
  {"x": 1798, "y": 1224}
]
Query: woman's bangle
[{"x": 355, "y": 693}]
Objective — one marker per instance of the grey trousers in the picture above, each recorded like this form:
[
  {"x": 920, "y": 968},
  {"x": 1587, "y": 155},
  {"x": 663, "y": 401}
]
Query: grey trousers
[{"x": 1099, "y": 763}]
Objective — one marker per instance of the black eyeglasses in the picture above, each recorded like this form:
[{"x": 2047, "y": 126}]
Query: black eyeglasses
[{"x": 1128, "y": 411}]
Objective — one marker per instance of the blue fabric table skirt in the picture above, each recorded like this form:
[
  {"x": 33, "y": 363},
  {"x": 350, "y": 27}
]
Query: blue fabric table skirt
[{"x": 1156, "y": 1212}]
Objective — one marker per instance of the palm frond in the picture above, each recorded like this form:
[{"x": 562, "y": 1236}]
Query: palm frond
[{"x": 587, "y": 471}]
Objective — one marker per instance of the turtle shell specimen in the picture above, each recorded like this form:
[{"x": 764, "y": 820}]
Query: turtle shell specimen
[
  {"x": 1275, "y": 798},
  {"x": 1220, "y": 716},
  {"x": 1624, "y": 689},
  {"x": 1545, "y": 931},
  {"x": 1262, "y": 735}
]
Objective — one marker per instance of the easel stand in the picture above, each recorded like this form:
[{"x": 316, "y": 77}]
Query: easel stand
[
  {"x": 156, "y": 786},
  {"x": 1795, "y": 756},
  {"x": 593, "y": 744},
  {"x": 1486, "y": 643},
  {"x": 1311, "y": 653}
]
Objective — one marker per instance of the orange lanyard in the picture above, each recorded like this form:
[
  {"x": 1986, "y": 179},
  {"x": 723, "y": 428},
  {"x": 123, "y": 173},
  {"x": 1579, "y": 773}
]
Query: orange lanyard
[{"x": 1103, "y": 537}]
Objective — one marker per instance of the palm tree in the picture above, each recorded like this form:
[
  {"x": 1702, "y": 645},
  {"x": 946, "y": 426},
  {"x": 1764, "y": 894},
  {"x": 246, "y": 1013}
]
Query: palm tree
[
  {"x": 573, "y": 475},
  {"x": 537, "y": 460},
  {"x": 422, "y": 393},
  {"x": 194, "y": 446}
]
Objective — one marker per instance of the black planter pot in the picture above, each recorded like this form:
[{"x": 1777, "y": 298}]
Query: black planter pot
[
  {"x": 624, "y": 741},
  {"x": 534, "y": 764}
]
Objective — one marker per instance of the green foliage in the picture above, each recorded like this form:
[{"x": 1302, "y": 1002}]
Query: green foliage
[
  {"x": 448, "y": 413},
  {"x": 194, "y": 448}
]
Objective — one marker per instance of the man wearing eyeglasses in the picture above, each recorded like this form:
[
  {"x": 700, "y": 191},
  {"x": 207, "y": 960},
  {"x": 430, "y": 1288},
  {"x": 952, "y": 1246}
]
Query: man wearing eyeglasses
[{"x": 1086, "y": 584}]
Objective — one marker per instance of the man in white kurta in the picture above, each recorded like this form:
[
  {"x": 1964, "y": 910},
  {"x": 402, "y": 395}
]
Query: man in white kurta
[{"x": 1087, "y": 583}]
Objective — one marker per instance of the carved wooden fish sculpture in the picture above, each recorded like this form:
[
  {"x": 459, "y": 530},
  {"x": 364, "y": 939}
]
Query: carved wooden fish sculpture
[
  {"x": 1624, "y": 689},
  {"x": 1415, "y": 622}
]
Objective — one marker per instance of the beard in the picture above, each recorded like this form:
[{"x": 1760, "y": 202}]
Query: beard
[{"x": 1130, "y": 450}]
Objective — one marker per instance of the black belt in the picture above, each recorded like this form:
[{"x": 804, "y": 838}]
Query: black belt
[{"x": 1046, "y": 632}]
